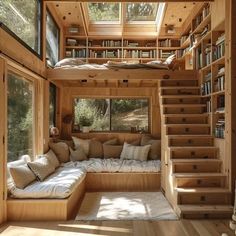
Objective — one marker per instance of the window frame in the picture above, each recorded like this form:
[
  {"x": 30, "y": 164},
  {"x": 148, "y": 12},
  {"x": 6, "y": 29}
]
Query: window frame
[
  {"x": 40, "y": 36},
  {"x": 59, "y": 33},
  {"x": 51, "y": 85},
  {"x": 110, "y": 123},
  {"x": 25, "y": 77}
]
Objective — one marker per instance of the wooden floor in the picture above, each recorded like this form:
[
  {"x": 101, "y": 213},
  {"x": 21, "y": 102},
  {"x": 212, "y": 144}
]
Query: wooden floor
[{"x": 110, "y": 228}]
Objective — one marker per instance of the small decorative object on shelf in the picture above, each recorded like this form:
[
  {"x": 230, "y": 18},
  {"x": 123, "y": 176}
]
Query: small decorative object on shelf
[
  {"x": 54, "y": 132},
  {"x": 73, "y": 29}
]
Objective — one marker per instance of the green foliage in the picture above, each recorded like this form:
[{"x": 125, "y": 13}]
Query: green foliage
[
  {"x": 85, "y": 121},
  {"x": 20, "y": 16},
  {"x": 104, "y": 11},
  {"x": 20, "y": 118}
]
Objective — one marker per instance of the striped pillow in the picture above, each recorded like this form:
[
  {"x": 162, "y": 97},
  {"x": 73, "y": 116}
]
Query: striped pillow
[
  {"x": 131, "y": 152},
  {"x": 42, "y": 168}
]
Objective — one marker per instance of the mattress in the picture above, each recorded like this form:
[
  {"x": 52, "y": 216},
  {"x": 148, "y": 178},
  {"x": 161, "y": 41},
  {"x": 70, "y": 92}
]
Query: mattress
[
  {"x": 95, "y": 165},
  {"x": 58, "y": 185}
]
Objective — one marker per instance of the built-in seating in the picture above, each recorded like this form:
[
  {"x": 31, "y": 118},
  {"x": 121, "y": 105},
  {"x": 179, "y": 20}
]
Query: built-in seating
[{"x": 58, "y": 196}]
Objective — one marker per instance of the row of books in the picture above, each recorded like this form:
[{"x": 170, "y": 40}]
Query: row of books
[
  {"x": 165, "y": 53},
  {"x": 219, "y": 48},
  {"x": 183, "y": 39},
  {"x": 195, "y": 38},
  {"x": 208, "y": 106},
  {"x": 204, "y": 13},
  {"x": 76, "y": 53},
  {"x": 219, "y": 83},
  {"x": 105, "y": 43},
  {"x": 220, "y": 103},
  {"x": 169, "y": 43},
  {"x": 220, "y": 128},
  {"x": 206, "y": 88},
  {"x": 127, "y": 43},
  {"x": 139, "y": 54},
  {"x": 75, "y": 42},
  {"x": 105, "y": 54},
  {"x": 199, "y": 62},
  {"x": 207, "y": 52}
]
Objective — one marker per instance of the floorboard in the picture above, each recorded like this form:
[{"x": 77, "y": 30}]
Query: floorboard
[{"x": 113, "y": 228}]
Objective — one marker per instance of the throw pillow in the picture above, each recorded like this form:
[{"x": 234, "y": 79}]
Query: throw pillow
[
  {"x": 22, "y": 176},
  {"x": 52, "y": 158},
  {"x": 155, "y": 150},
  {"x": 82, "y": 143},
  {"x": 42, "y": 168},
  {"x": 113, "y": 141},
  {"x": 135, "y": 152},
  {"x": 95, "y": 149},
  {"x": 61, "y": 150},
  {"x": 77, "y": 155},
  {"x": 112, "y": 151}
]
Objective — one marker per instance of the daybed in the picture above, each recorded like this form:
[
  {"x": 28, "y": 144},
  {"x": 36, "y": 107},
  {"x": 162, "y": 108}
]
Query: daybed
[{"x": 58, "y": 196}]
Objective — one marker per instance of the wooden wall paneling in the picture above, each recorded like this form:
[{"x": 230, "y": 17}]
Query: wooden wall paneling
[
  {"x": 17, "y": 51},
  {"x": 45, "y": 110},
  {"x": 218, "y": 12},
  {"x": 3, "y": 127}
]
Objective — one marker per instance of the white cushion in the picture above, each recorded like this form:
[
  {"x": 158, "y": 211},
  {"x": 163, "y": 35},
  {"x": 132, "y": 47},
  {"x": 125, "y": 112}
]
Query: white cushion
[
  {"x": 131, "y": 152},
  {"x": 58, "y": 185}
]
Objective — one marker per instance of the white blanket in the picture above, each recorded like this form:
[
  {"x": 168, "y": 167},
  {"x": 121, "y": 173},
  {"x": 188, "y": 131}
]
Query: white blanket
[
  {"x": 58, "y": 185},
  {"x": 117, "y": 165}
]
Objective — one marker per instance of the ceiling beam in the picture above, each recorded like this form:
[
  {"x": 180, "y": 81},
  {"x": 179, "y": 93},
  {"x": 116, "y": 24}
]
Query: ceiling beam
[{"x": 129, "y": 1}]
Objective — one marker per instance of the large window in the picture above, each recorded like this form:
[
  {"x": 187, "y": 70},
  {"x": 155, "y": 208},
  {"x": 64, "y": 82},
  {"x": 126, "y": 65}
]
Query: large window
[
  {"x": 112, "y": 114},
  {"x": 23, "y": 19},
  {"x": 52, "y": 105},
  {"x": 53, "y": 40},
  {"x": 104, "y": 11},
  {"x": 20, "y": 117}
]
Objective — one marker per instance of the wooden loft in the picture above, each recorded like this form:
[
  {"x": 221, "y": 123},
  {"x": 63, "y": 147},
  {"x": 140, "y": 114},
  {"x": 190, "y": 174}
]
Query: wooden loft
[{"x": 187, "y": 105}]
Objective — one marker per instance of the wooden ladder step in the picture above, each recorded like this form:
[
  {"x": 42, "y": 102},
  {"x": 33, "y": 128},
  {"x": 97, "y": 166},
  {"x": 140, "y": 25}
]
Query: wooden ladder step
[
  {"x": 191, "y": 129},
  {"x": 187, "y": 115},
  {"x": 186, "y": 180},
  {"x": 205, "y": 211},
  {"x": 183, "y": 105},
  {"x": 187, "y": 125},
  {"x": 181, "y": 100},
  {"x": 182, "y": 82},
  {"x": 196, "y": 165},
  {"x": 190, "y": 140},
  {"x": 180, "y": 87},
  {"x": 181, "y": 96},
  {"x": 207, "y": 196}
]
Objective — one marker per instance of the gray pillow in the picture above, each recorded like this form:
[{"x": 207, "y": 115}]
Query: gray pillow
[{"x": 77, "y": 155}]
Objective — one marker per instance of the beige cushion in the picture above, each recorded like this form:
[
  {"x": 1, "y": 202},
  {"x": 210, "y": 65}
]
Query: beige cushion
[
  {"x": 82, "y": 143},
  {"x": 113, "y": 141},
  {"x": 61, "y": 150},
  {"x": 112, "y": 151},
  {"x": 41, "y": 168},
  {"x": 52, "y": 158},
  {"x": 22, "y": 176},
  {"x": 155, "y": 150},
  {"x": 95, "y": 149},
  {"x": 135, "y": 152},
  {"x": 134, "y": 142},
  {"x": 77, "y": 155}
]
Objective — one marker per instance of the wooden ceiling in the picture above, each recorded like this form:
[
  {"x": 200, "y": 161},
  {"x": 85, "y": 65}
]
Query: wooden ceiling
[{"x": 74, "y": 13}]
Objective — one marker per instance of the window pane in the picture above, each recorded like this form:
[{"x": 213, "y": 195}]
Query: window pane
[
  {"x": 23, "y": 19},
  {"x": 141, "y": 11},
  {"x": 52, "y": 38},
  {"x": 92, "y": 112},
  {"x": 127, "y": 113},
  {"x": 20, "y": 117},
  {"x": 103, "y": 11},
  {"x": 52, "y": 105}
]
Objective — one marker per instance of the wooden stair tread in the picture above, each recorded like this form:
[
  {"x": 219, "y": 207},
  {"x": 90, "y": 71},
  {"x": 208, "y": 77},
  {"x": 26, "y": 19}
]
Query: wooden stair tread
[
  {"x": 186, "y": 115},
  {"x": 193, "y": 147},
  {"x": 181, "y": 96},
  {"x": 181, "y": 105},
  {"x": 202, "y": 190},
  {"x": 200, "y": 160},
  {"x": 180, "y": 87},
  {"x": 198, "y": 175},
  {"x": 179, "y": 136},
  {"x": 187, "y": 125},
  {"x": 205, "y": 208}
]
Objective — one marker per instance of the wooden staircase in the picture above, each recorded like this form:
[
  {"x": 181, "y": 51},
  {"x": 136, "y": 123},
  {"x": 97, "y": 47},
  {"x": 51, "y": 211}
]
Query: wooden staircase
[{"x": 191, "y": 170}]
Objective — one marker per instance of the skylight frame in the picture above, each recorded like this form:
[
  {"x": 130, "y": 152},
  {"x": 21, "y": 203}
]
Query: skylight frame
[
  {"x": 104, "y": 22},
  {"x": 158, "y": 19}
]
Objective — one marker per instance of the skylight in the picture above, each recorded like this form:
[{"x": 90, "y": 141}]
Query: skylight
[
  {"x": 142, "y": 11},
  {"x": 104, "y": 11}
]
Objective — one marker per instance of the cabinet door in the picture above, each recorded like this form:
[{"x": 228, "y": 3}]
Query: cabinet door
[{"x": 2, "y": 141}]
